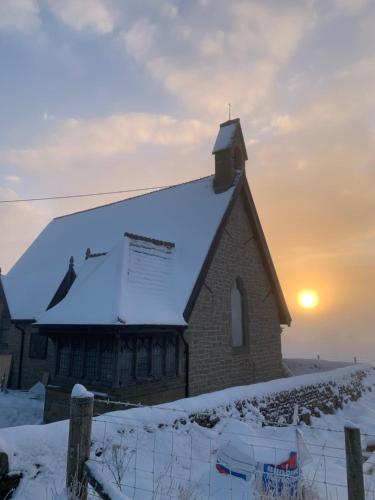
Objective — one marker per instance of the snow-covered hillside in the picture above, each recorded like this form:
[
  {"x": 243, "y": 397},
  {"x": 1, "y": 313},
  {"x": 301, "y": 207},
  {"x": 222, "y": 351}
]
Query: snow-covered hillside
[{"x": 298, "y": 366}]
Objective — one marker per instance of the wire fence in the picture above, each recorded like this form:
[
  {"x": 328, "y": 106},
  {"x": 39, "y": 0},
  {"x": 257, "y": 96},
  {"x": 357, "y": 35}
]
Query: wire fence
[{"x": 146, "y": 460}]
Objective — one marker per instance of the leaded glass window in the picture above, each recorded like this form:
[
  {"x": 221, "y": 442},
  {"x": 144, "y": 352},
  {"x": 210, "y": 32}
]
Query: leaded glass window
[
  {"x": 157, "y": 357},
  {"x": 139, "y": 357},
  {"x": 106, "y": 361},
  {"x": 126, "y": 361},
  {"x": 63, "y": 360},
  {"x": 77, "y": 354},
  {"x": 171, "y": 356},
  {"x": 91, "y": 359},
  {"x": 142, "y": 359}
]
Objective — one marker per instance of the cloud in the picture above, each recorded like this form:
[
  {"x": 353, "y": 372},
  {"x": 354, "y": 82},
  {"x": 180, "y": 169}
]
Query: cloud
[
  {"x": 139, "y": 38},
  {"x": 352, "y": 5},
  {"x": 104, "y": 138},
  {"x": 84, "y": 14},
  {"x": 215, "y": 54},
  {"x": 19, "y": 15},
  {"x": 12, "y": 178}
]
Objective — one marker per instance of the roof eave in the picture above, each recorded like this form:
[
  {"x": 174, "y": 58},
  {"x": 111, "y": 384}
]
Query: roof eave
[
  {"x": 206, "y": 264},
  {"x": 114, "y": 326},
  {"x": 285, "y": 317},
  {"x": 3, "y": 297}
]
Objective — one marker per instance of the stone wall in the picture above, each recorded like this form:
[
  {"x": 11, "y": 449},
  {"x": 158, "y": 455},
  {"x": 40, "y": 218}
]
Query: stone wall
[
  {"x": 278, "y": 408},
  {"x": 214, "y": 363},
  {"x": 267, "y": 404}
]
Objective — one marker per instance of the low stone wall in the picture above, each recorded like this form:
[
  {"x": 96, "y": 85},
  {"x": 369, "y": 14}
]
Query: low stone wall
[
  {"x": 278, "y": 408},
  {"x": 271, "y": 403}
]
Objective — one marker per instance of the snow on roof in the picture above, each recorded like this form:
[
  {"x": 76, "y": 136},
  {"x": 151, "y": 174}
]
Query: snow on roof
[
  {"x": 187, "y": 215},
  {"x": 133, "y": 284},
  {"x": 225, "y": 136}
]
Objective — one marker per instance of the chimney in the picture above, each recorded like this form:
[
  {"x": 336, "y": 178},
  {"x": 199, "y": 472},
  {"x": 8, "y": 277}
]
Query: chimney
[{"x": 230, "y": 154}]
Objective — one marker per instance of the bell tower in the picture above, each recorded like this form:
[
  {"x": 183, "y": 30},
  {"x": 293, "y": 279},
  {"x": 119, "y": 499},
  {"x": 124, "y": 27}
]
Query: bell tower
[{"x": 230, "y": 154}]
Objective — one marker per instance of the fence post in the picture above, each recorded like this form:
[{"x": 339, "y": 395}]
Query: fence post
[
  {"x": 81, "y": 411},
  {"x": 354, "y": 468}
]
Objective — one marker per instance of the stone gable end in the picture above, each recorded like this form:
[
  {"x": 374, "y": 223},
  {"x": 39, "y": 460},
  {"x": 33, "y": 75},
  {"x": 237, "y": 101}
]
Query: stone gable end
[{"x": 214, "y": 363}]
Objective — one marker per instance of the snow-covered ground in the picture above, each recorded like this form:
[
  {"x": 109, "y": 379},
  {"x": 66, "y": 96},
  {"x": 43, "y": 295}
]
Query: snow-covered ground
[
  {"x": 22, "y": 407},
  {"x": 152, "y": 457},
  {"x": 298, "y": 366}
]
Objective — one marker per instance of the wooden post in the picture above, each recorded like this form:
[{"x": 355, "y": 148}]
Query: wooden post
[
  {"x": 354, "y": 469},
  {"x": 81, "y": 411}
]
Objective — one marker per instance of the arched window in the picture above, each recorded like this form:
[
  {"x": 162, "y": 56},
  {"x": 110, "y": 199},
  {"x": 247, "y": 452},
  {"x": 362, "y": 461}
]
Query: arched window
[{"x": 238, "y": 320}]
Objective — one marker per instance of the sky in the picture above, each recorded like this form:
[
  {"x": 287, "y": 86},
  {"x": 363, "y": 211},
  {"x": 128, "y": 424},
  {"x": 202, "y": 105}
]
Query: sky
[{"x": 102, "y": 95}]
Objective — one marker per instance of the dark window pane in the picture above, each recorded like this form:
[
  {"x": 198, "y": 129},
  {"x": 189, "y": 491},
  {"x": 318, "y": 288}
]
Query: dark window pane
[
  {"x": 38, "y": 346},
  {"x": 142, "y": 360},
  {"x": 63, "y": 358},
  {"x": 77, "y": 358},
  {"x": 157, "y": 359},
  {"x": 91, "y": 359},
  {"x": 237, "y": 316},
  {"x": 171, "y": 356},
  {"x": 126, "y": 362},
  {"x": 106, "y": 362}
]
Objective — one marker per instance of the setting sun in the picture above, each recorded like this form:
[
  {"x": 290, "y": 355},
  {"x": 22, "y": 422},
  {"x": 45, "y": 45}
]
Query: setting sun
[{"x": 308, "y": 299}]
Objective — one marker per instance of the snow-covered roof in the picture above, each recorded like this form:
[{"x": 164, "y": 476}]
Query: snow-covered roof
[
  {"x": 187, "y": 215},
  {"x": 133, "y": 284},
  {"x": 225, "y": 136},
  {"x": 229, "y": 136}
]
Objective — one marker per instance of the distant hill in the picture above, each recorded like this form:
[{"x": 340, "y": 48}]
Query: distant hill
[{"x": 298, "y": 366}]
